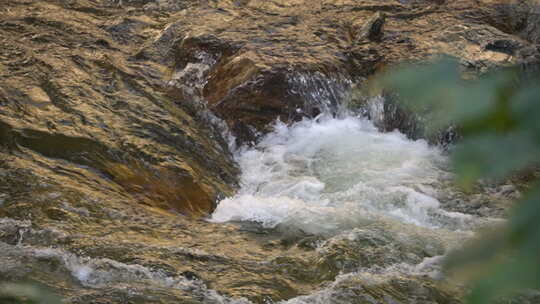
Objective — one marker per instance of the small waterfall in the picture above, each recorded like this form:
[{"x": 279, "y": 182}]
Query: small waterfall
[
  {"x": 340, "y": 178},
  {"x": 374, "y": 111},
  {"x": 303, "y": 93},
  {"x": 189, "y": 83},
  {"x": 339, "y": 175},
  {"x": 388, "y": 114},
  {"x": 327, "y": 174},
  {"x": 321, "y": 93}
]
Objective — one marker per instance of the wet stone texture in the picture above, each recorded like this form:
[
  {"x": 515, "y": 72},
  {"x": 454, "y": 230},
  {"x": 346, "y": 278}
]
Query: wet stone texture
[
  {"x": 287, "y": 59},
  {"x": 110, "y": 153}
]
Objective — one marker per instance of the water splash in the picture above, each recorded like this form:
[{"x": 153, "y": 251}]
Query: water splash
[{"x": 326, "y": 174}]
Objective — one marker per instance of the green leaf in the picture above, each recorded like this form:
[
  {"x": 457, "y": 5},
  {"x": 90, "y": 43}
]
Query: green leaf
[
  {"x": 498, "y": 116},
  {"x": 493, "y": 156},
  {"x": 526, "y": 108}
]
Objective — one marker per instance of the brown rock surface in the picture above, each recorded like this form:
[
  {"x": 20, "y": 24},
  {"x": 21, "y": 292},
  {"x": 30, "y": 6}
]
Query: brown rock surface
[
  {"x": 268, "y": 59},
  {"x": 71, "y": 96}
]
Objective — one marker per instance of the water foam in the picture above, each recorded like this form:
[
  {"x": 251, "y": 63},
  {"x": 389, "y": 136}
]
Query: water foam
[
  {"x": 326, "y": 174},
  {"x": 99, "y": 273}
]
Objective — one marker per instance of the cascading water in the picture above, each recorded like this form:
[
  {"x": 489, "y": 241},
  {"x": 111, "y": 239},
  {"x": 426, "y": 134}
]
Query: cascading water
[
  {"x": 321, "y": 93},
  {"x": 325, "y": 175},
  {"x": 341, "y": 179},
  {"x": 348, "y": 215}
]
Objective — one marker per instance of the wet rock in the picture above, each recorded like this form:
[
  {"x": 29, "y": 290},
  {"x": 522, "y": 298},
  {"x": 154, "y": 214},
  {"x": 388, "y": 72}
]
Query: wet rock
[
  {"x": 94, "y": 112},
  {"x": 504, "y": 46},
  {"x": 508, "y": 190},
  {"x": 388, "y": 114},
  {"x": 260, "y": 58},
  {"x": 374, "y": 248},
  {"x": 106, "y": 136},
  {"x": 532, "y": 29},
  {"x": 58, "y": 214},
  {"x": 519, "y": 17},
  {"x": 373, "y": 289},
  {"x": 12, "y": 231},
  {"x": 530, "y": 59},
  {"x": 488, "y": 200},
  {"x": 373, "y": 28},
  {"x": 249, "y": 89}
]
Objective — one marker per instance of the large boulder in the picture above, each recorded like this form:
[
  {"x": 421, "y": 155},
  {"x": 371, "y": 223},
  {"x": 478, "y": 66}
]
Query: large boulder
[
  {"x": 74, "y": 106},
  {"x": 256, "y": 61}
]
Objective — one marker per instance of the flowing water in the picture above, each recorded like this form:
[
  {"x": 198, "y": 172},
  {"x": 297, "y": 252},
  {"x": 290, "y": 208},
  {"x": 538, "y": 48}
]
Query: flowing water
[
  {"x": 326, "y": 175},
  {"x": 330, "y": 210},
  {"x": 342, "y": 180}
]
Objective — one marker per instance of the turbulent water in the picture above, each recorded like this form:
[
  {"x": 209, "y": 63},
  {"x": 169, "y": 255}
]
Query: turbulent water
[
  {"x": 325, "y": 175},
  {"x": 342, "y": 179},
  {"x": 371, "y": 203}
]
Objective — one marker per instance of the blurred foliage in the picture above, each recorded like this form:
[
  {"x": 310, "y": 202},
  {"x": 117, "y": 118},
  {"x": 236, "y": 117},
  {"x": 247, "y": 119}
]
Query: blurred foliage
[
  {"x": 27, "y": 293},
  {"x": 498, "y": 118}
]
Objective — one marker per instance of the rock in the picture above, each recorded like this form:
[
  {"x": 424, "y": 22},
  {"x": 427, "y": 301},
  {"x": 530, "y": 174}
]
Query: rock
[
  {"x": 58, "y": 214},
  {"x": 108, "y": 136},
  {"x": 93, "y": 111},
  {"x": 368, "y": 288},
  {"x": 263, "y": 60},
  {"x": 373, "y": 28},
  {"x": 507, "y": 46},
  {"x": 532, "y": 23},
  {"x": 520, "y": 18},
  {"x": 387, "y": 114}
]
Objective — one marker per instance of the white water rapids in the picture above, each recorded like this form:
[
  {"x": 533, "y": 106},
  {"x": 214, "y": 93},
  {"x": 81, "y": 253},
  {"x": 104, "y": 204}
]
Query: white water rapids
[
  {"x": 342, "y": 179},
  {"x": 326, "y": 175},
  {"x": 371, "y": 198}
]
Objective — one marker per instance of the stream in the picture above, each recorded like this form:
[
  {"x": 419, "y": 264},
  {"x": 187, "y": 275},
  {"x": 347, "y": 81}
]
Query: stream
[
  {"x": 341, "y": 179},
  {"x": 330, "y": 210},
  {"x": 225, "y": 152}
]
